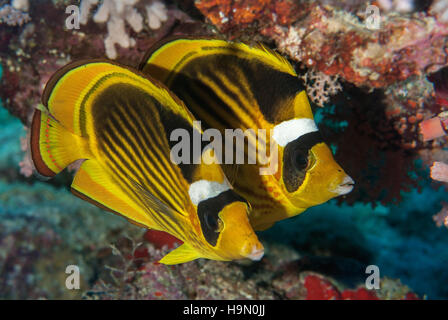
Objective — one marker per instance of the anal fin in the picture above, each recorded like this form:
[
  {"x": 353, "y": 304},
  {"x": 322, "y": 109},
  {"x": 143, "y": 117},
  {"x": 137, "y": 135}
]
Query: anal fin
[{"x": 182, "y": 254}]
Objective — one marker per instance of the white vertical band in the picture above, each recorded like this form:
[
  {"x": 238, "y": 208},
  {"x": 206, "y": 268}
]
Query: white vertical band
[
  {"x": 204, "y": 189},
  {"x": 290, "y": 130}
]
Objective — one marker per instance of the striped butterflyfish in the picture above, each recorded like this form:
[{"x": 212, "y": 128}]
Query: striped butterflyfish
[
  {"x": 230, "y": 85},
  {"x": 119, "y": 123}
]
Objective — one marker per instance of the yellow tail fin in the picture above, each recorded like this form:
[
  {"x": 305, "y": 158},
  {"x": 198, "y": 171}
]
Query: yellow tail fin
[{"x": 53, "y": 147}]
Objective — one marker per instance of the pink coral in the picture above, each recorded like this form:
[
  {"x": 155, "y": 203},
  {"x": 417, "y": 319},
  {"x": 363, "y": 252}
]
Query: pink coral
[
  {"x": 439, "y": 171},
  {"x": 26, "y": 165},
  {"x": 320, "y": 86},
  {"x": 432, "y": 128}
]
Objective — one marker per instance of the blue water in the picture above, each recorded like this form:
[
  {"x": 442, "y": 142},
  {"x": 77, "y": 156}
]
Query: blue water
[{"x": 10, "y": 131}]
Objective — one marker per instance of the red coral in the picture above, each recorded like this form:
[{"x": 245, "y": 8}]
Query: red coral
[
  {"x": 320, "y": 289},
  {"x": 359, "y": 294},
  {"x": 160, "y": 239},
  {"x": 141, "y": 253},
  {"x": 232, "y": 15},
  {"x": 411, "y": 296}
]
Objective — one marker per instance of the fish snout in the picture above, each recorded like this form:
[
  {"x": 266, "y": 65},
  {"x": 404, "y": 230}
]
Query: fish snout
[
  {"x": 256, "y": 252},
  {"x": 345, "y": 186}
]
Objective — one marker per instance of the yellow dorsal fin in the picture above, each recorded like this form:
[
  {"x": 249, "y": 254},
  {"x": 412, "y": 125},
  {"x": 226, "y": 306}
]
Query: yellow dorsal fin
[
  {"x": 70, "y": 92},
  {"x": 276, "y": 59},
  {"x": 182, "y": 254},
  {"x": 172, "y": 54}
]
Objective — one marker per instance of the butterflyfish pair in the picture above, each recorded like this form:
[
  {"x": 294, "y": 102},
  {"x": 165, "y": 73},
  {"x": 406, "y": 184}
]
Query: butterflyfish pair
[
  {"x": 233, "y": 85},
  {"x": 119, "y": 123}
]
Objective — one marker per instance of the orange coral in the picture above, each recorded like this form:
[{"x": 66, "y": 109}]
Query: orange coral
[
  {"x": 226, "y": 14},
  {"x": 338, "y": 43}
]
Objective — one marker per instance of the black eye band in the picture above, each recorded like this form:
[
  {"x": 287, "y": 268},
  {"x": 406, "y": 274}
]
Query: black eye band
[
  {"x": 296, "y": 158},
  {"x": 307, "y": 141},
  {"x": 208, "y": 211}
]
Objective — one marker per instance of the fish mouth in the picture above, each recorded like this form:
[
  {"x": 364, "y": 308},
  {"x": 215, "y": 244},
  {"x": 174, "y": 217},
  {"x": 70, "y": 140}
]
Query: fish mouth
[
  {"x": 345, "y": 187},
  {"x": 256, "y": 254}
]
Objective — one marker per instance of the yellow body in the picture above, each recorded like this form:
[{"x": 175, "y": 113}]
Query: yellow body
[
  {"x": 119, "y": 122},
  {"x": 232, "y": 85}
]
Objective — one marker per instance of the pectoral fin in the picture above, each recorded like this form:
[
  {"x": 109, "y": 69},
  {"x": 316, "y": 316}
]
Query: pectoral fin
[
  {"x": 261, "y": 226},
  {"x": 182, "y": 254}
]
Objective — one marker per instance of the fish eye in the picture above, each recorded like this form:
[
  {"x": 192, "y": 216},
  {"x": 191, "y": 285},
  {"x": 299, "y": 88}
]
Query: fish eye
[
  {"x": 212, "y": 223},
  {"x": 300, "y": 160}
]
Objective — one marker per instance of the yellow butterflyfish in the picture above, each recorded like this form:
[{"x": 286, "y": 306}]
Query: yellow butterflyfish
[
  {"x": 233, "y": 85},
  {"x": 119, "y": 122}
]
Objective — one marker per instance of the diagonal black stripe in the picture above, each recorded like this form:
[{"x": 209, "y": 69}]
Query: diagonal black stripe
[
  {"x": 138, "y": 198},
  {"x": 149, "y": 142},
  {"x": 123, "y": 176},
  {"x": 199, "y": 105},
  {"x": 130, "y": 160},
  {"x": 232, "y": 78},
  {"x": 138, "y": 150}
]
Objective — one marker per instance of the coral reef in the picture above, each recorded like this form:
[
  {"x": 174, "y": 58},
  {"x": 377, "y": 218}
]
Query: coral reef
[
  {"x": 397, "y": 5},
  {"x": 439, "y": 171},
  {"x": 13, "y": 16},
  {"x": 439, "y": 8},
  {"x": 43, "y": 230},
  {"x": 336, "y": 42},
  {"x": 321, "y": 289},
  {"x": 22, "y": 5},
  {"x": 321, "y": 86},
  {"x": 136, "y": 276}
]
